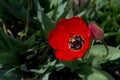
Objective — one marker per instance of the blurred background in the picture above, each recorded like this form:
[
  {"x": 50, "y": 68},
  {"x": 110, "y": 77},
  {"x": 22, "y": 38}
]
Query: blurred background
[{"x": 24, "y": 25}]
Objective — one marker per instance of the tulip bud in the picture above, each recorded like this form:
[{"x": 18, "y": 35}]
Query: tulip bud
[{"x": 97, "y": 33}]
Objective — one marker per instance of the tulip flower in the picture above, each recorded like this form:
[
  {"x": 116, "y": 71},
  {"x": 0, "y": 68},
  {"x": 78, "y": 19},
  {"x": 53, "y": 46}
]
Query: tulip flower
[
  {"x": 70, "y": 38},
  {"x": 97, "y": 33}
]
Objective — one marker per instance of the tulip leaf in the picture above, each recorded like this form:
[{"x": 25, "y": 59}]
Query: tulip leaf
[
  {"x": 15, "y": 9},
  {"x": 46, "y": 76},
  {"x": 55, "y": 3},
  {"x": 9, "y": 48},
  {"x": 74, "y": 64},
  {"x": 45, "y": 21},
  {"x": 90, "y": 73},
  {"x": 8, "y": 57},
  {"x": 8, "y": 73},
  {"x": 13, "y": 44},
  {"x": 100, "y": 75},
  {"x": 70, "y": 14},
  {"x": 48, "y": 25},
  {"x": 98, "y": 51},
  {"x": 118, "y": 37},
  {"x": 61, "y": 11},
  {"x": 30, "y": 41}
]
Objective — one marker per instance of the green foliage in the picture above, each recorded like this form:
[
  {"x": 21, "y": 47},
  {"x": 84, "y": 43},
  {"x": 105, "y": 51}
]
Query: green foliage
[
  {"x": 93, "y": 74},
  {"x": 24, "y": 50},
  {"x": 13, "y": 8},
  {"x": 30, "y": 41},
  {"x": 98, "y": 53},
  {"x": 88, "y": 72}
]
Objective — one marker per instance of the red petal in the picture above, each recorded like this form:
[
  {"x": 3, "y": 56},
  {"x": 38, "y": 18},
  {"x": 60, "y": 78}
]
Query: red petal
[
  {"x": 68, "y": 54},
  {"x": 74, "y": 26},
  {"x": 72, "y": 55},
  {"x": 58, "y": 39},
  {"x": 86, "y": 45}
]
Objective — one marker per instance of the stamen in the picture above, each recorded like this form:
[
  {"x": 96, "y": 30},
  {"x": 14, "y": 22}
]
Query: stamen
[{"x": 76, "y": 42}]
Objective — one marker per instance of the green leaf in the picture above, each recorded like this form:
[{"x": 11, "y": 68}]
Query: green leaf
[
  {"x": 46, "y": 76},
  {"x": 8, "y": 73},
  {"x": 118, "y": 38},
  {"x": 16, "y": 45},
  {"x": 13, "y": 2},
  {"x": 82, "y": 13},
  {"x": 98, "y": 51},
  {"x": 9, "y": 48},
  {"x": 100, "y": 75},
  {"x": 45, "y": 68},
  {"x": 61, "y": 12},
  {"x": 70, "y": 14},
  {"x": 64, "y": 10},
  {"x": 55, "y": 12},
  {"x": 13, "y": 8},
  {"x": 24, "y": 67},
  {"x": 30, "y": 41},
  {"x": 6, "y": 56},
  {"x": 75, "y": 64},
  {"x": 55, "y": 2},
  {"x": 47, "y": 24},
  {"x": 114, "y": 5},
  {"x": 89, "y": 73}
]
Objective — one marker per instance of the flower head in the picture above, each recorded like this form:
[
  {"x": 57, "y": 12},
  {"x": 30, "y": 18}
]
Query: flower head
[
  {"x": 70, "y": 38},
  {"x": 97, "y": 33}
]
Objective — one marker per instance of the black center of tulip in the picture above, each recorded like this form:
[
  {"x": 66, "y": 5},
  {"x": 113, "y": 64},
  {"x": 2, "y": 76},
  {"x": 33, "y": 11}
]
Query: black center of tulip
[{"x": 76, "y": 42}]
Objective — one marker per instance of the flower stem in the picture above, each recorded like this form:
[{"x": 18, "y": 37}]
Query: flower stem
[{"x": 105, "y": 45}]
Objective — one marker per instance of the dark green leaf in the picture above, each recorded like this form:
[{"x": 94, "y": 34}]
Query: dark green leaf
[
  {"x": 14, "y": 9},
  {"x": 118, "y": 37},
  {"x": 8, "y": 73},
  {"x": 74, "y": 65},
  {"x": 89, "y": 73},
  {"x": 8, "y": 57},
  {"x": 9, "y": 47},
  {"x": 47, "y": 24},
  {"x": 30, "y": 41}
]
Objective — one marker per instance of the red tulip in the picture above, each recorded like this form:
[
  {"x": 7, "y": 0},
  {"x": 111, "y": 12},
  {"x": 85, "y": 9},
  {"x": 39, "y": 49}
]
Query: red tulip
[
  {"x": 97, "y": 33},
  {"x": 70, "y": 38}
]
